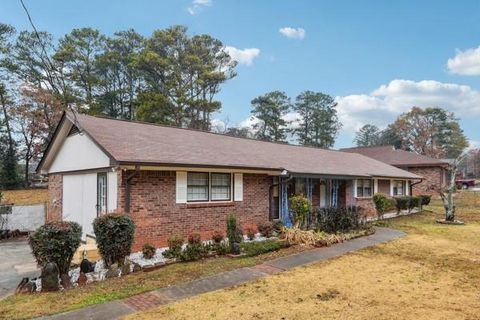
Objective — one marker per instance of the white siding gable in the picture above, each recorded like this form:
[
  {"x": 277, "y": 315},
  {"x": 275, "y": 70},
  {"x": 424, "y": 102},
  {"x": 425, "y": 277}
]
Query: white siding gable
[{"x": 79, "y": 152}]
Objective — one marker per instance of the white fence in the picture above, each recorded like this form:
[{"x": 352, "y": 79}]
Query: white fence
[{"x": 26, "y": 218}]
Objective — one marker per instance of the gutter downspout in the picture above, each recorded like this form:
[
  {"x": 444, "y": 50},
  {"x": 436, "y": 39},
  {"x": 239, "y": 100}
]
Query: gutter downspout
[
  {"x": 127, "y": 188},
  {"x": 270, "y": 191},
  {"x": 413, "y": 184}
]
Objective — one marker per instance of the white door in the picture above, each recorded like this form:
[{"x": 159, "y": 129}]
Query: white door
[{"x": 79, "y": 201}]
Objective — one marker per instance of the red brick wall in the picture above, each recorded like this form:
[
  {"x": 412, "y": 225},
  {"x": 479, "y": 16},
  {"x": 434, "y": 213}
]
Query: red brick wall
[
  {"x": 368, "y": 207},
  {"x": 157, "y": 215},
  {"x": 55, "y": 196},
  {"x": 433, "y": 178}
]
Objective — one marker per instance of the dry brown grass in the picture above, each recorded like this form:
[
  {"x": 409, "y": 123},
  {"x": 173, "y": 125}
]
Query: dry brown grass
[
  {"x": 433, "y": 273},
  {"x": 25, "y": 197}
]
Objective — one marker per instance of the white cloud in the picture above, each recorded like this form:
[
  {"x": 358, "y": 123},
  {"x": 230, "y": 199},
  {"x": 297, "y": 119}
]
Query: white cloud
[
  {"x": 382, "y": 105},
  {"x": 197, "y": 5},
  {"x": 292, "y": 33},
  {"x": 465, "y": 62},
  {"x": 243, "y": 56}
]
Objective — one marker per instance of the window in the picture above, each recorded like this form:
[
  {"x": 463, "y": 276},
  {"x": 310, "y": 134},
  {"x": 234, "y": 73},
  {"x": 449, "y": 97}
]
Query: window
[
  {"x": 101, "y": 193},
  {"x": 398, "y": 188},
  {"x": 221, "y": 186},
  {"x": 364, "y": 188},
  {"x": 197, "y": 186}
]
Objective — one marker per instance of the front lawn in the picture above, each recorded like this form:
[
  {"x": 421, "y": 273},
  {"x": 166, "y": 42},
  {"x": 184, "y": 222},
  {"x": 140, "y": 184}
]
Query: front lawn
[
  {"x": 34, "y": 305},
  {"x": 432, "y": 273}
]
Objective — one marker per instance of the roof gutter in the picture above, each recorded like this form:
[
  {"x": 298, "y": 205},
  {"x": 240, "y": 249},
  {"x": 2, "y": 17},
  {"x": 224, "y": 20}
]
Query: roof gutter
[{"x": 413, "y": 184}]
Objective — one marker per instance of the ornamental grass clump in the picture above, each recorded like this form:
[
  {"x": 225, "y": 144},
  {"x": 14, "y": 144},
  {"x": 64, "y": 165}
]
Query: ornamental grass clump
[
  {"x": 56, "y": 242},
  {"x": 114, "y": 235}
]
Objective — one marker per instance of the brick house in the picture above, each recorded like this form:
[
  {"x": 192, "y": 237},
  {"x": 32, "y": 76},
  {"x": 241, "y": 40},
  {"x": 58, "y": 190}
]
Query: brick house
[
  {"x": 180, "y": 181},
  {"x": 433, "y": 171}
]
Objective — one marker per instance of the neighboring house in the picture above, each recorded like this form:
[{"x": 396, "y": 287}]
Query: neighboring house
[
  {"x": 433, "y": 171},
  {"x": 180, "y": 181}
]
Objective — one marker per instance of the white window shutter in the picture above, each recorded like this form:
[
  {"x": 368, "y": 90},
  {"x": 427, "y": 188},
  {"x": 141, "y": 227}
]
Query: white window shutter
[
  {"x": 238, "y": 187},
  {"x": 181, "y": 186}
]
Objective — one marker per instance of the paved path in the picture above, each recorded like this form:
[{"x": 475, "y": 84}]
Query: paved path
[
  {"x": 115, "y": 309},
  {"x": 16, "y": 262}
]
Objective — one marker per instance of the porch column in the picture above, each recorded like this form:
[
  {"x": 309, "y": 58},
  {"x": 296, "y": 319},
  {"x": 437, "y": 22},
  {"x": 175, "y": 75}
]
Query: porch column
[{"x": 284, "y": 204}]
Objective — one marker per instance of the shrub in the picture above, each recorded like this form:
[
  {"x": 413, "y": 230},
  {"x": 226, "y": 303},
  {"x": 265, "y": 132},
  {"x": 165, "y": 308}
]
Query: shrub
[
  {"x": 217, "y": 237},
  {"x": 425, "y": 199},
  {"x": 56, "y": 242},
  {"x": 194, "y": 238},
  {"x": 266, "y": 229},
  {"x": 234, "y": 233},
  {"x": 174, "y": 250},
  {"x": 401, "y": 203},
  {"x": 219, "y": 248},
  {"x": 259, "y": 247},
  {"x": 195, "y": 249},
  {"x": 114, "y": 235},
  {"x": 381, "y": 204},
  {"x": 300, "y": 208},
  {"x": 148, "y": 251},
  {"x": 337, "y": 219},
  {"x": 277, "y": 226},
  {"x": 250, "y": 232},
  {"x": 407, "y": 203},
  {"x": 415, "y": 202}
]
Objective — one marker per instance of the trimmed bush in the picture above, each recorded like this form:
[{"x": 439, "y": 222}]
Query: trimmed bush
[
  {"x": 382, "y": 203},
  {"x": 425, "y": 199},
  {"x": 300, "y": 208},
  {"x": 56, "y": 242},
  {"x": 114, "y": 234},
  {"x": 217, "y": 237},
  {"x": 148, "y": 251},
  {"x": 174, "y": 250},
  {"x": 415, "y": 202},
  {"x": 407, "y": 203},
  {"x": 260, "y": 247},
  {"x": 234, "y": 234},
  {"x": 266, "y": 229},
  {"x": 401, "y": 203}
]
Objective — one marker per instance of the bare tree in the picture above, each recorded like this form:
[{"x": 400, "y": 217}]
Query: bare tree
[{"x": 446, "y": 192}]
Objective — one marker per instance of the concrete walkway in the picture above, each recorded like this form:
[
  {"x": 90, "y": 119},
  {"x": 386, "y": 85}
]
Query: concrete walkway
[
  {"x": 116, "y": 309},
  {"x": 16, "y": 262}
]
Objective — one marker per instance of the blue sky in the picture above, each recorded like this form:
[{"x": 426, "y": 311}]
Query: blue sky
[{"x": 378, "y": 58}]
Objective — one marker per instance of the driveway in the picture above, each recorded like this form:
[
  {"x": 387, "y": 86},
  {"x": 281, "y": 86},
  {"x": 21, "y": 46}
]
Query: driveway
[{"x": 16, "y": 262}]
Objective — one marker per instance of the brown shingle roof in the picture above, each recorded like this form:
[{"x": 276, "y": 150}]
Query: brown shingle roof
[
  {"x": 394, "y": 157},
  {"x": 134, "y": 142}
]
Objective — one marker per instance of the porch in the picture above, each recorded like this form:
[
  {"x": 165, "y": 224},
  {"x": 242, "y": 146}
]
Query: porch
[{"x": 322, "y": 192}]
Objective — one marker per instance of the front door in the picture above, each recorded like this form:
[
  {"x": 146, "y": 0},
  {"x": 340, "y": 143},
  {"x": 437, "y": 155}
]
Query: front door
[{"x": 101, "y": 193}]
